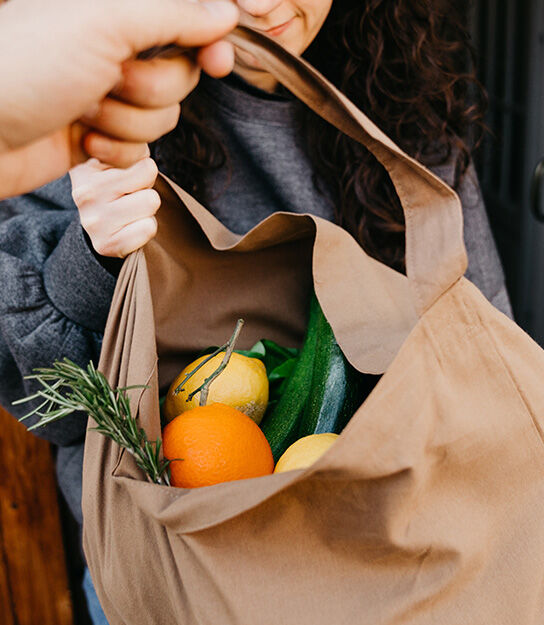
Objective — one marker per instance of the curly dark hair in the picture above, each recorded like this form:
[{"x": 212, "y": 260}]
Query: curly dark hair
[{"x": 408, "y": 65}]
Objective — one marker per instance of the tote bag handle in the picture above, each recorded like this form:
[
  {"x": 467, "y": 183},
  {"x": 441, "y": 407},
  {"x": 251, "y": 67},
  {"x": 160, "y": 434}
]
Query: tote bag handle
[{"x": 435, "y": 251}]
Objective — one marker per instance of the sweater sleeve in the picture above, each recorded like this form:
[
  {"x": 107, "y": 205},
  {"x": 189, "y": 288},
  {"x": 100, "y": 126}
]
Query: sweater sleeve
[
  {"x": 484, "y": 265},
  {"x": 55, "y": 298}
]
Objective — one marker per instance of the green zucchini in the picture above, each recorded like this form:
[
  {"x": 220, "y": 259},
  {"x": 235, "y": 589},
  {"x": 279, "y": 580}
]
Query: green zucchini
[
  {"x": 337, "y": 389},
  {"x": 281, "y": 426}
]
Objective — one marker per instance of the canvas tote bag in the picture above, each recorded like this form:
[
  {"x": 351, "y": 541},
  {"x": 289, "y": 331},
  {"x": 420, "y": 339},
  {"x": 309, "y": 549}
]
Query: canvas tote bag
[{"x": 429, "y": 508}]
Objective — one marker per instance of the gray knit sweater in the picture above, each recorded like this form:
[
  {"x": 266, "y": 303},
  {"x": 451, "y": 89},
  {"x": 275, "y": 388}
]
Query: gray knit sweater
[{"x": 56, "y": 293}]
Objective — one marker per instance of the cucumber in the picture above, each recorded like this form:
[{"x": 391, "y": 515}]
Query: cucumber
[
  {"x": 337, "y": 389},
  {"x": 281, "y": 426}
]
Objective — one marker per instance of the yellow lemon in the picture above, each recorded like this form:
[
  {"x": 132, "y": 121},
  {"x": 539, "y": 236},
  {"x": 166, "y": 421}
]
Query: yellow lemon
[
  {"x": 305, "y": 452},
  {"x": 242, "y": 385}
]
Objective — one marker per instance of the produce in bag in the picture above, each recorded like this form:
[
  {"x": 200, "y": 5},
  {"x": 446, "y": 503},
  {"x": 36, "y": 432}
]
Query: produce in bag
[
  {"x": 243, "y": 385},
  {"x": 322, "y": 392},
  {"x": 207, "y": 441},
  {"x": 215, "y": 443},
  {"x": 304, "y": 452}
]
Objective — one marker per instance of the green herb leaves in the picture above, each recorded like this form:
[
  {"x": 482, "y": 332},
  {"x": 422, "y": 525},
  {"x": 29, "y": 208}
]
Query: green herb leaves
[{"x": 67, "y": 387}]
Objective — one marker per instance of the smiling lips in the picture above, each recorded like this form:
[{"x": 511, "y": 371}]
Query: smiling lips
[{"x": 278, "y": 30}]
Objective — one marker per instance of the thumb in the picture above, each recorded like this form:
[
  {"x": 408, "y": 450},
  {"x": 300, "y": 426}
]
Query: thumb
[{"x": 142, "y": 24}]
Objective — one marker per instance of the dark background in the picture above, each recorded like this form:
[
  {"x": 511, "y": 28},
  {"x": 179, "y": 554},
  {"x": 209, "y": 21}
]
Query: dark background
[{"x": 509, "y": 40}]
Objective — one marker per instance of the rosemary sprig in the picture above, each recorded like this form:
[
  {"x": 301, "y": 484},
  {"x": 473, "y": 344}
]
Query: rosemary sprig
[{"x": 67, "y": 387}]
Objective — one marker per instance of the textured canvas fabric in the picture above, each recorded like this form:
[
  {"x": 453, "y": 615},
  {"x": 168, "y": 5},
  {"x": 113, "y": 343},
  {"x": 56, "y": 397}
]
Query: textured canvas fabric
[{"x": 428, "y": 509}]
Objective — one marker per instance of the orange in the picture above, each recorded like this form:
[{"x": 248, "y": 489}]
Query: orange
[
  {"x": 243, "y": 384},
  {"x": 213, "y": 444}
]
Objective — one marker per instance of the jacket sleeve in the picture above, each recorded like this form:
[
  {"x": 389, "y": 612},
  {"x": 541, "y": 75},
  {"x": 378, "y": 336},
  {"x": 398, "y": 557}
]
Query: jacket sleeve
[{"x": 55, "y": 298}]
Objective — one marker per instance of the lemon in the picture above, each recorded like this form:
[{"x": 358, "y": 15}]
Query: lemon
[
  {"x": 305, "y": 452},
  {"x": 243, "y": 385}
]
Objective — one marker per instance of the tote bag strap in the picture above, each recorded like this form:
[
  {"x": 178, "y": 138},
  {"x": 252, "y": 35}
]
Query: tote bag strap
[{"x": 435, "y": 251}]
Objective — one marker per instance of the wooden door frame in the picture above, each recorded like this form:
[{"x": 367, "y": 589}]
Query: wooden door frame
[{"x": 34, "y": 586}]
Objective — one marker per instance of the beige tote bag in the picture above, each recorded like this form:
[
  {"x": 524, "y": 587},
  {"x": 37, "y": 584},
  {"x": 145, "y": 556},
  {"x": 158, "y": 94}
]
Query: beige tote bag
[{"x": 429, "y": 508}]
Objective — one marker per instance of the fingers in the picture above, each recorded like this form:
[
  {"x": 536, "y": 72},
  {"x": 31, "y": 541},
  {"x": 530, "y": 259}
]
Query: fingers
[
  {"x": 132, "y": 237},
  {"x": 116, "y": 239},
  {"x": 133, "y": 207},
  {"x": 112, "y": 151},
  {"x": 158, "y": 82},
  {"x": 145, "y": 107},
  {"x": 94, "y": 183},
  {"x": 145, "y": 103},
  {"x": 123, "y": 121},
  {"x": 217, "y": 59},
  {"x": 187, "y": 23},
  {"x": 116, "y": 206}
]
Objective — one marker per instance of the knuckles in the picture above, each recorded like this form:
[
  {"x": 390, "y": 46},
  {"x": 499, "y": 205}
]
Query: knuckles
[
  {"x": 151, "y": 228},
  {"x": 104, "y": 247},
  {"x": 150, "y": 170},
  {"x": 153, "y": 200},
  {"x": 136, "y": 125},
  {"x": 146, "y": 230},
  {"x": 91, "y": 222},
  {"x": 159, "y": 82},
  {"x": 171, "y": 118},
  {"x": 96, "y": 212},
  {"x": 83, "y": 194}
]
